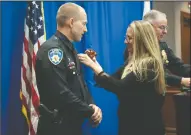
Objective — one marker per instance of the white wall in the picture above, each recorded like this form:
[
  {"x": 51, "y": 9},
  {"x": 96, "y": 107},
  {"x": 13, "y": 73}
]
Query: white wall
[{"x": 172, "y": 10}]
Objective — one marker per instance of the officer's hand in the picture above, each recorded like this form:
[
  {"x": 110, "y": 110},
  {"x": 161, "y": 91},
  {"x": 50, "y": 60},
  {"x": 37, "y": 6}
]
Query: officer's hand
[
  {"x": 97, "y": 116},
  {"x": 185, "y": 82}
]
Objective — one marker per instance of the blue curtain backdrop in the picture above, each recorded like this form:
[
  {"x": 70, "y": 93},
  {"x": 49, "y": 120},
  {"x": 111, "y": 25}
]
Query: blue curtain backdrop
[{"x": 107, "y": 23}]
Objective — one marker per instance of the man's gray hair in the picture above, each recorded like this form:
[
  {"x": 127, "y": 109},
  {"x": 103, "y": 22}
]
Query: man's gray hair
[
  {"x": 67, "y": 11},
  {"x": 154, "y": 15}
]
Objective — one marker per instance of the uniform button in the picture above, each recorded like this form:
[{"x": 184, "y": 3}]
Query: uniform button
[{"x": 74, "y": 72}]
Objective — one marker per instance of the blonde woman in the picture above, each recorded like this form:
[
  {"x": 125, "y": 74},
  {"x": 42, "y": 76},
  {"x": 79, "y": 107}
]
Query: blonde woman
[{"x": 139, "y": 84}]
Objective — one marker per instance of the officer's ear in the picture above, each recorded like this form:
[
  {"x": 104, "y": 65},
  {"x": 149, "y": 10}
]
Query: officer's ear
[{"x": 71, "y": 22}]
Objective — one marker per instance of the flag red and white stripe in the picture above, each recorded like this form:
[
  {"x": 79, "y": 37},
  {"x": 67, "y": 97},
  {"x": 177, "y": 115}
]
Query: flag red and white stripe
[{"x": 33, "y": 39}]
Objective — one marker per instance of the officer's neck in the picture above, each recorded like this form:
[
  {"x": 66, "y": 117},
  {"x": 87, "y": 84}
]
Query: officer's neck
[{"x": 66, "y": 32}]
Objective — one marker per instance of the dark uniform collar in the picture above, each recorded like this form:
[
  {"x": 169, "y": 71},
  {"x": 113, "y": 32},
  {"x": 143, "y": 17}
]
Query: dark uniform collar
[
  {"x": 162, "y": 42},
  {"x": 63, "y": 38},
  {"x": 162, "y": 45}
]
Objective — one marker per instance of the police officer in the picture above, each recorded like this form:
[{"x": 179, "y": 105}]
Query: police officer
[
  {"x": 177, "y": 73},
  {"x": 65, "y": 99}
]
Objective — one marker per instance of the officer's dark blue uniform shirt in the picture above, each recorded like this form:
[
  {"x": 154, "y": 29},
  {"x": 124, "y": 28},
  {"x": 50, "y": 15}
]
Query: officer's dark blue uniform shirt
[
  {"x": 173, "y": 64},
  {"x": 59, "y": 79}
]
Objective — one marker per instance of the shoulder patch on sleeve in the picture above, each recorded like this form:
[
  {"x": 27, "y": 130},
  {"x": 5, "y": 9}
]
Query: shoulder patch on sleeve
[{"x": 55, "y": 55}]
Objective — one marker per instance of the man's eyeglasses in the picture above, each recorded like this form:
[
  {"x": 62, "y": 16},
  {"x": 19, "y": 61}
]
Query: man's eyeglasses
[{"x": 162, "y": 27}]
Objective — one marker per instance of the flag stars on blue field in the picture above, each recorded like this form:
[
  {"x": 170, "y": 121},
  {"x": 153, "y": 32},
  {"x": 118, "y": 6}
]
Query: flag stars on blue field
[
  {"x": 31, "y": 28},
  {"x": 34, "y": 3},
  {"x": 35, "y": 31},
  {"x": 36, "y": 6},
  {"x": 39, "y": 26},
  {"x": 34, "y": 20},
  {"x": 40, "y": 18}
]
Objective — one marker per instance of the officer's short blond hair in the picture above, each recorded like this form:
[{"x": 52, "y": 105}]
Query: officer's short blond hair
[{"x": 67, "y": 11}]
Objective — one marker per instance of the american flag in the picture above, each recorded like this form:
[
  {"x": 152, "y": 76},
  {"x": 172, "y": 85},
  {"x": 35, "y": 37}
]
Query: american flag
[{"x": 34, "y": 37}]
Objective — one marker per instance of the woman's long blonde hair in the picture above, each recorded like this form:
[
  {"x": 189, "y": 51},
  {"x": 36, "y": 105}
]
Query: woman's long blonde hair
[{"x": 146, "y": 55}]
